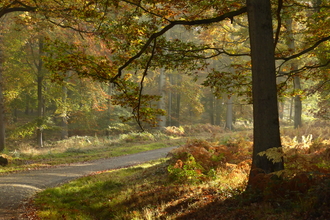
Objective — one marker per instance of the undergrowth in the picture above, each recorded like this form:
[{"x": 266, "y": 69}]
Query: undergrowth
[{"x": 204, "y": 180}]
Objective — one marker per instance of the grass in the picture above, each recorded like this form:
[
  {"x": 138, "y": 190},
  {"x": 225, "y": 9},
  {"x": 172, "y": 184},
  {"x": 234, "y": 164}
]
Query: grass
[
  {"x": 204, "y": 179},
  {"x": 150, "y": 191},
  {"x": 76, "y": 149}
]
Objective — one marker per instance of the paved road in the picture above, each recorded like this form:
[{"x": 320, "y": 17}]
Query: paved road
[{"x": 18, "y": 187}]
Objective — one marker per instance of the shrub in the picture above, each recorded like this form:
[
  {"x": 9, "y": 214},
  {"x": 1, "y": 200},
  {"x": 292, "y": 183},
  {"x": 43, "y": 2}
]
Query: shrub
[
  {"x": 137, "y": 136},
  {"x": 174, "y": 131},
  {"x": 198, "y": 160}
]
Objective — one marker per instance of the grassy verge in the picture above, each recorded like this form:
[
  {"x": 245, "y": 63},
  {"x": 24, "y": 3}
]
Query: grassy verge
[
  {"x": 24, "y": 155},
  {"x": 82, "y": 149}
]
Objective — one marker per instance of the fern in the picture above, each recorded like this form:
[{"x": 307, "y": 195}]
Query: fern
[{"x": 274, "y": 154}]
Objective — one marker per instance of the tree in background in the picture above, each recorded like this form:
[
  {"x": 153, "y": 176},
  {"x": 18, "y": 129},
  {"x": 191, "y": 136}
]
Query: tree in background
[{"x": 2, "y": 107}]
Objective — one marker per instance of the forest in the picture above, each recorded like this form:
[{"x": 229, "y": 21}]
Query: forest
[{"x": 242, "y": 87}]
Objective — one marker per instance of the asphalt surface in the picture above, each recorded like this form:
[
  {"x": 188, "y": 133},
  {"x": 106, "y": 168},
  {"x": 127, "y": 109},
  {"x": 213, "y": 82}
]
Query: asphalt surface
[{"x": 17, "y": 188}]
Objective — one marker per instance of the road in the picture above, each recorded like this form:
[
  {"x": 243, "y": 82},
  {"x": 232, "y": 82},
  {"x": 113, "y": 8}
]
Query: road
[{"x": 18, "y": 187}]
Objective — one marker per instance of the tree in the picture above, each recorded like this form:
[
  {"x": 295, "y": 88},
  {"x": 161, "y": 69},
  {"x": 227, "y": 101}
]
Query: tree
[
  {"x": 263, "y": 62},
  {"x": 2, "y": 108},
  {"x": 40, "y": 78},
  {"x": 71, "y": 16},
  {"x": 229, "y": 112},
  {"x": 136, "y": 44},
  {"x": 161, "y": 103},
  {"x": 265, "y": 111}
]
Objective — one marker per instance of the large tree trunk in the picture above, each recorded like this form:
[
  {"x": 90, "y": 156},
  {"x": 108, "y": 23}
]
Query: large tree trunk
[
  {"x": 161, "y": 102},
  {"x": 265, "y": 110}
]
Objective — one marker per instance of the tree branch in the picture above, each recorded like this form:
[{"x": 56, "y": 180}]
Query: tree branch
[
  {"x": 316, "y": 44},
  {"x": 279, "y": 22},
  {"x": 145, "y": 72},
  {"x": 171, "y": 25},
  {"x": 145, "y": 10},
  {"x": 218, "y": 52},
  {"x": 10, "y": 8}
]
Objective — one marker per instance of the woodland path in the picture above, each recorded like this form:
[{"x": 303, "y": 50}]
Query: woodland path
[{"x": 16, "y": 188}]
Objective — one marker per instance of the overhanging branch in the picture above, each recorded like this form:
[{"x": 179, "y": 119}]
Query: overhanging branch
[
  {"x": 14, "y": 7},
  {"x": 171, "y": 25},
  {"x": 316, "y": 44}
]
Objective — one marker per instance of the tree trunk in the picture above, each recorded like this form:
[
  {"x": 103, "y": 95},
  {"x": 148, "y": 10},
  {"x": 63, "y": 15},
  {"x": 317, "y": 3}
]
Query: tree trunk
[
  {"x": 161, "y": 102},
  {"x": 15, "y": 115},
  {"x": 265, "y": 110},
  {"x": 107, "y": 131},
  {"x": 281, "y": 109},
  {"x": 170, "y": 101},
  {"x": 212, "y": 120},
  {"x": 2, "y": 104},
  {"x": 291, "y": 108},
  {"x": 40, "y": 97},
  {"x": 229, "y": 113},
  {"x": 64, "y": 121},
  {"x": 178, "y": 101},
  {"x": 27, "y": 104},
  {"x": 296, "y": 78},
  {"x": 217, "y": 111},
  {"x": 2, "y": 107},
  {"x": 40, "y": 113},
  {"x": 297, "y": 103}
]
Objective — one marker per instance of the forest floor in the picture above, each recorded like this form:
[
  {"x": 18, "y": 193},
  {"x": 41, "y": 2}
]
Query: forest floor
[
  {"x": 16, "y": 188},
  {"x": 204, "y": 179}
]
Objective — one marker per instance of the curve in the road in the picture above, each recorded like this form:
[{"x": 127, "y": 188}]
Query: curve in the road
[{"x": 18, "y": 187}]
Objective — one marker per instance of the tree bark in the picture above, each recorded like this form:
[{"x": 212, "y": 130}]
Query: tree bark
[
  {"x": 2, "y": 101},
  {"x": 211, "y": 106},
  {"x": 178, "y": 101},
  {"x": 64, "y": 121},
  {"x": 170, "y": 101},
  {"x": 296, "y": 79},
  {"x": 2, "y": 107},
  {"x": 297, "y": 103},
  {"x": 109, "y": 118},
  {"x": 229, "y": 113},
  {"x": 218, "y": 109},
  {"x": 265, "y": 109},
  {"x": 40, "y": 97},
  {"x": 161, "y": 103}
]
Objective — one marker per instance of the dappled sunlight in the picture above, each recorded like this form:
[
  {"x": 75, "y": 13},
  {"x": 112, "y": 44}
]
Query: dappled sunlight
[{"x": 204, "y": 180}]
